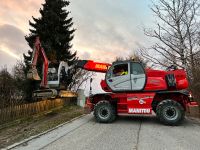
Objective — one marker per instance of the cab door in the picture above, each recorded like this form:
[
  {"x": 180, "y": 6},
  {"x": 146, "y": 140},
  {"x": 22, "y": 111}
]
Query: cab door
[
  {"x": 118, "y": 77},
  {"x": 138, "y": 77}
]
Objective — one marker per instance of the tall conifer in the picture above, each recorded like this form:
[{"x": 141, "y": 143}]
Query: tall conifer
[{"x": 55, "y": 29}]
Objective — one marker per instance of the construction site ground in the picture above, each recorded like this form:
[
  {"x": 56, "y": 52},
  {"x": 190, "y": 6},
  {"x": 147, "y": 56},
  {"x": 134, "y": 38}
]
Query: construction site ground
[{"x": 18, "y": 130}]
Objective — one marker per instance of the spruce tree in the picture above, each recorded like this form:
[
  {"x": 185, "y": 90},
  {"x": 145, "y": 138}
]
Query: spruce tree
[{"x": 54, "y": 28}]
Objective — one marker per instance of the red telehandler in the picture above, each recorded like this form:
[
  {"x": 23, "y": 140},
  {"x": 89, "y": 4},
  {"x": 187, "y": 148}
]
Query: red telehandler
[
  {"x": 132, "y": 89},
  {"x": 129, "y": 89}
]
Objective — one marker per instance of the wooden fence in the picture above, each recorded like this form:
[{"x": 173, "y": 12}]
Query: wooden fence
[{"x": 25, "y": 110}]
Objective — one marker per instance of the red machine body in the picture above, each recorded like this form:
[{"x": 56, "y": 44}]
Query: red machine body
[
  {"x": 156, "y": 80},
  {"x": 159, "y": 91}
]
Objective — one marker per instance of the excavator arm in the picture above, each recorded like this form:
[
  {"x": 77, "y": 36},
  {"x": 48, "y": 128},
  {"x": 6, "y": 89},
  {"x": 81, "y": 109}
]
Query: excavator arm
[{"x": 32, "y": 73}]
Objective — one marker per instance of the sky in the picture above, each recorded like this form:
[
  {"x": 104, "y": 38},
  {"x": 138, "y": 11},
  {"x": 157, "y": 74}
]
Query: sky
[{"x": 105, "y": 29}]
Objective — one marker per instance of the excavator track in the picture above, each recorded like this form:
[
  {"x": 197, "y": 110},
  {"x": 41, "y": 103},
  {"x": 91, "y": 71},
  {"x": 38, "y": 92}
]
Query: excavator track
[{"x": 45, "y": 93}]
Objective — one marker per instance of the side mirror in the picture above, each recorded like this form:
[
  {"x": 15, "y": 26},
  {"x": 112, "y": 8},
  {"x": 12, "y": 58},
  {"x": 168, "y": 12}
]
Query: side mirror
[
  {"x": 90, "y": 93},
  {"x": 91, "y": 80}
]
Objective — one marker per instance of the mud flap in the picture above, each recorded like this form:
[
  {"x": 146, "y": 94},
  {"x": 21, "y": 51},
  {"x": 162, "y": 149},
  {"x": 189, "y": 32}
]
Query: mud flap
[
  {"x": 192, "y": 108},
  {"x": 88, "y": 108}
]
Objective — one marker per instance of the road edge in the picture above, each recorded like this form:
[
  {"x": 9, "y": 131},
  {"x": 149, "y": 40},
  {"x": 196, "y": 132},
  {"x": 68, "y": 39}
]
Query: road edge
[
  {"x": 43, "y": 133},
  {"x": 194, "y": 119}
]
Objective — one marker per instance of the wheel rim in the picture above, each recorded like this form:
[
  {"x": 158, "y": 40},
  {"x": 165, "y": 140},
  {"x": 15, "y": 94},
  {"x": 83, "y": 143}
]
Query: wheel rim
[
  {"x": 103, "y": 113},
  {"x": 170, "y": 113}
]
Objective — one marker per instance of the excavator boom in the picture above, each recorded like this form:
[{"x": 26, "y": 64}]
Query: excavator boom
[{"x": 32, "y": 73}]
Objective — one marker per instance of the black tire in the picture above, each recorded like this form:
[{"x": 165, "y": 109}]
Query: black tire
[
  {"x": 104, "y": 112},
  {"x": 170, "y": 112},
  {"x": 154, "y": 105},
  {"x": 154, "y": 109}
]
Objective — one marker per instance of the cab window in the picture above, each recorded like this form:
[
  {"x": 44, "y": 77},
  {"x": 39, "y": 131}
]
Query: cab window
[
  {"x": 120, "y": 70},
  {"x": 137, "y": 69}
]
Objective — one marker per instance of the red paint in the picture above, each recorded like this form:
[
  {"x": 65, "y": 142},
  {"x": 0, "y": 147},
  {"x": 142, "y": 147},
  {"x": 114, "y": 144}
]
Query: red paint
[
  {"x": 38, "y": 50},
  {"x": 96, "y": 66},
  {"x": 104, "y": 86}
]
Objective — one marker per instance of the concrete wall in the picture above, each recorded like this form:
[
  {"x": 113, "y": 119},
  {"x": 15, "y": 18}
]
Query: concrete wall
[{"x": 81, "y": 98}]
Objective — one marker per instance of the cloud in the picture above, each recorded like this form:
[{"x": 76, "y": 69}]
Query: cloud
[
  {"x": 108, "y": 30},
  {"x": 105, "y": 29},
  {"x": 10, "y": 53},
  {"x": 12, "y": 38},
  {"x": 19, "y": 12},
  {"x": 12, "y": 45}
]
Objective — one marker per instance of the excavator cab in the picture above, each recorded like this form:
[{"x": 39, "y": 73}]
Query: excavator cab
[
  {"x": 126, "y": 76},
  {"x": 57, "y": 74}
]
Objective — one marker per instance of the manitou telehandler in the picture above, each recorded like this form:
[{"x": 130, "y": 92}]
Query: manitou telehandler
[
  {"x": 129, "y": 88},
  {"x": 132, "y": 89}
]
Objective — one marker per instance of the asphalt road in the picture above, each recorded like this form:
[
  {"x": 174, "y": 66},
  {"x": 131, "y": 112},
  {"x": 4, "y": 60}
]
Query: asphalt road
[{"x": 126, "y": 133}]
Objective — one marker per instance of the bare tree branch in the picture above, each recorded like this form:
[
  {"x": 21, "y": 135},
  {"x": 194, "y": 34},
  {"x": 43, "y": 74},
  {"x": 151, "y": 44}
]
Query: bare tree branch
[{"x": 177, "y": 32}]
